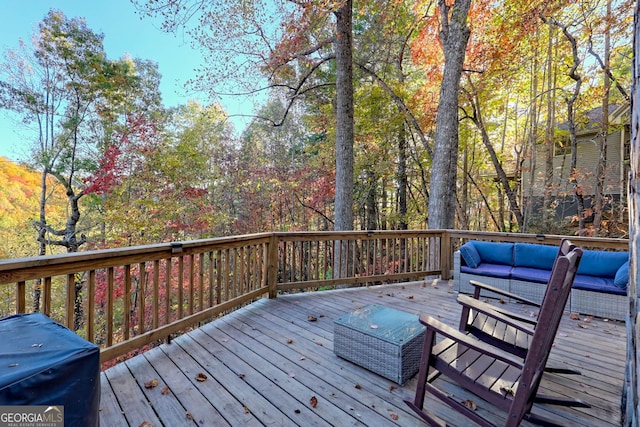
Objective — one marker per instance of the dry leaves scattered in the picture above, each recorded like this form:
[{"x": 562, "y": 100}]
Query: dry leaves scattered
[
  {"x": 358, "y": 386},
  {"x": 151, "y": 384},
  {"x": 470, "y": 404},
  {"x": 507, "y": 391},
  {"x": 289, "y": 341},
  {"x": 313, "y": 401},
  {"x": 189, "y": 416},
  {"x": 394, "y": 416},
  {"x": 165, "y": 390},
  {"x": 391, "y": 388},
  {"x": 311, "y": 318},
  {"x": 201, "y": 377},
  {"x": 246, "y": 409},
  {"x": 145, "y": 424},
  {"x": 574, "y": 316}
]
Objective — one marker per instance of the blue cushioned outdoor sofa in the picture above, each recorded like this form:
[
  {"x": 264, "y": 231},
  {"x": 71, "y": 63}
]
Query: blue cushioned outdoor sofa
[{"x": 599, "y": 289}]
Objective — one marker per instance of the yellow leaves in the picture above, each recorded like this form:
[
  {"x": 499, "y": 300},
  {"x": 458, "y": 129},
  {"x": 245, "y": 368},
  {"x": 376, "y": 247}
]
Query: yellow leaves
[{"x": 151, "y": 384}]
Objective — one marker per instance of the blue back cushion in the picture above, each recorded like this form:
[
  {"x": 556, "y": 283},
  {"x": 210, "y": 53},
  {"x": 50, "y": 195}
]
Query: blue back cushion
[
  {"x": 470, "y": 255},
  {"x": 622, "y": 276},
  {"x": 602, "y": 264},
  {"x": 495, "y": 253},
  {"x": 534, "y": 256}
]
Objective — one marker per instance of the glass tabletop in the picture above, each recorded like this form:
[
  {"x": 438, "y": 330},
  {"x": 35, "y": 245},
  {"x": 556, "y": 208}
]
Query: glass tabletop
[{"x": 383, "y": 322}]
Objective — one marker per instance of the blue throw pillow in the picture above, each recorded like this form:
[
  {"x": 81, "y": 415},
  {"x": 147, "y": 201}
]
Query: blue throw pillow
[
  {"x": 601, "y": 263},
  {"x": 470, "y": 255},
  {"x": 494, "y": 252},
  {"x": 622, "y": 276}
]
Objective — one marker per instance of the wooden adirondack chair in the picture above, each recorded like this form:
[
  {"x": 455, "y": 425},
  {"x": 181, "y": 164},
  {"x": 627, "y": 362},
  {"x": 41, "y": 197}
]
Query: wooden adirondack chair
[
  {"x": 494, "y": 375},
  {"x": 500, "y": 327}
]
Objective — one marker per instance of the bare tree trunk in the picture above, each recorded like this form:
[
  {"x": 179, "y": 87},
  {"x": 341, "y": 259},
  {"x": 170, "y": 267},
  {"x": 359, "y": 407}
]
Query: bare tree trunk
[
  {"x": 454, "y": 36},
  {"x": 602, "y": 146},
  {"x": 571, "y": 100},
  {"x": 549, "y": 142},
  {"x": 344, "y": 118},
  {"x": 344, "y": 135}
]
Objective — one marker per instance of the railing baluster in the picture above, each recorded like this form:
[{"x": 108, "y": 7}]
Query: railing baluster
[
  {"x": 127, "y": 302},
  {"x": 91, "y": 306},
  {"x": 46, "y": 296},
  {"x": 200, "y": 281},
  {"x": 156, "y": 293},
  {"x": 109, "y": 308},
  {"x": 142, "y": 297},
  {"x": 191, "y": 282},
  {"x": 70, "y": 301},
  {"x": 21, "y": 297},
  {"x": 180, "y": 286},
  {"x": 167, "y": 290}
]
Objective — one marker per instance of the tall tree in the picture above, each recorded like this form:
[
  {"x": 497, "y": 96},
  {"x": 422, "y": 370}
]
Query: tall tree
[{"x": 454, "y": 35}]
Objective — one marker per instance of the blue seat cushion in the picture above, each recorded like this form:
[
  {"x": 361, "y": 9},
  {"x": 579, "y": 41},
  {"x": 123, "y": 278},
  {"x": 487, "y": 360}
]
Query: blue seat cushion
[
  {"x": 601, "y": 263},
  {"x": 470, "y": 255},
  {"x": 528, "y": 274},
  {"x": 622, "y": 276},
  {"x": 534, "y": 256},
  {"x": 495, "y": 253},
  {"x": 490, "y": 270},
  {"x": 597, "y": 284}
]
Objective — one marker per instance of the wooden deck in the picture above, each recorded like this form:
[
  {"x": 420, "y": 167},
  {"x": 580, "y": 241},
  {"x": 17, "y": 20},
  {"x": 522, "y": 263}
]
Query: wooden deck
[{"x": 267, "y": 364}]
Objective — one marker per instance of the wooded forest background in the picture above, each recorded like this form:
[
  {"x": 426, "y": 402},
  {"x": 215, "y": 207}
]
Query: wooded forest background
[{"x": 110, "y": 166}]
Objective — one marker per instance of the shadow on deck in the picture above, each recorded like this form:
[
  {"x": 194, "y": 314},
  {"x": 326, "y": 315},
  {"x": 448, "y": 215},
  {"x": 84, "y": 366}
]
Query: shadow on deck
[{"x": 267, "y": 364}]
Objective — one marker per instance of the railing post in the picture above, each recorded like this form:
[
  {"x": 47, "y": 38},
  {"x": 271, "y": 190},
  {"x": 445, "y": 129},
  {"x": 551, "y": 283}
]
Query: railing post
[
  {"x": 272, "y": 271},
  {"x": 445, "y": 255}
]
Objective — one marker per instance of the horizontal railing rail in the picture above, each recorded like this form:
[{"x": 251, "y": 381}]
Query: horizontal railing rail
[{"x": 128, "y": 298}]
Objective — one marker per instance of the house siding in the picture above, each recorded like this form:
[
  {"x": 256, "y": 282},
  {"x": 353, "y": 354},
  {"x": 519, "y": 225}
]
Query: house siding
[{"x": 587, "y": 163}]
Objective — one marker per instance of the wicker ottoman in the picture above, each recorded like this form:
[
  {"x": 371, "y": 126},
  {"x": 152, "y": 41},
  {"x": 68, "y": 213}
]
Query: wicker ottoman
[{"x": 381, "y": 339}]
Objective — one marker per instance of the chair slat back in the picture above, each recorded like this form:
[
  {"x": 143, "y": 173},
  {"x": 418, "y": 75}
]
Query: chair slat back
[{"x": 558, "y": 289}]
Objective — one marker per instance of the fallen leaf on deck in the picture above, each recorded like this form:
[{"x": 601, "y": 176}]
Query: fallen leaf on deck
[
  {"x": 502, "y": 301},
  {"x": 151, "y": 384},
  {"x": 302, "y": 358},
  {"x": 394, "y": 416},
  {"x": 588, "y": 319},
  {"x": 189, "y": 416},
  {"x": 392, "y": 387},
  {"x": 410, "y": 297},
  {"x": 389, "y": 295},
  {"x": 297, "y": 411},
  {"x": 289, "y": 341},
  {"x": 246, "y": 410},
  {"x": 241, "y": 376},
  {"x": 358, "y": 386},
  {"x": 146, "y": 424},
  {"x": 311, "y": 318},
  {"x": 313, "y": 401},
  {"x": 507, "y": 391},
  {"x": 470, "y": 404},
  {"x": 225, "y": 339},
  {"x": 319, "y": 343},
  {"x": 165, "y": 390},
  {"x": 574, "y": 316},
  {"x": 201, "y": 377},
  {"x": 583, "y": 326}
]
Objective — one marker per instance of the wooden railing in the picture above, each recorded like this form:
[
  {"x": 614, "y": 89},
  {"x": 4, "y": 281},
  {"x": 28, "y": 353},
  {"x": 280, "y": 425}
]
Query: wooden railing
[{"x": 129, "y": 298}]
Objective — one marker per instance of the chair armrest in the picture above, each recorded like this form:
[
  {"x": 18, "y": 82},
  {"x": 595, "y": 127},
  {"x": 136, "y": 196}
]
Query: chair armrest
[
  {"x": 484, "y": 286},
  {"x": 469, "y": 341},
  {"x": 490, "y": 311}
]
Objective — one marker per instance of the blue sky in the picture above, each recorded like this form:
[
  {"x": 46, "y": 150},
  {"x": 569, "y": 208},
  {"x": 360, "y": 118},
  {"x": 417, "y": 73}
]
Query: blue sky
[{"x": 124, "y": 32}]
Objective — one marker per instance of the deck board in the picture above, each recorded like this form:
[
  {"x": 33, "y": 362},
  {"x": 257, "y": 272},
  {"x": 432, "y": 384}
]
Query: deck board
[{"x": 266, "y": 361}]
